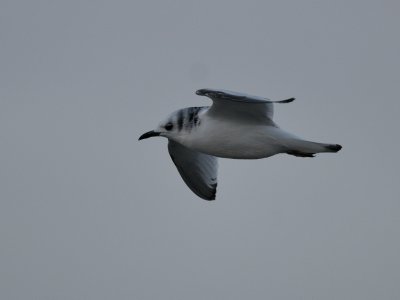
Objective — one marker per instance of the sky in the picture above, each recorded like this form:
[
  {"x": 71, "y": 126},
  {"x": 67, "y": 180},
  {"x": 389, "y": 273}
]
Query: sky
[{"x": 89, "y": 212}]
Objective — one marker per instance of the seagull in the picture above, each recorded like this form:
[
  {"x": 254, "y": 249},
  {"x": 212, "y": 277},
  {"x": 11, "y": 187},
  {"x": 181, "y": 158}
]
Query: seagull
[{"x": 236, "y": 125}]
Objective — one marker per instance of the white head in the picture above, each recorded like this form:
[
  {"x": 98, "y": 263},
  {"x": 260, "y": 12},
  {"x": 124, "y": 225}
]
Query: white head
[{"x": 177, "y": 126}]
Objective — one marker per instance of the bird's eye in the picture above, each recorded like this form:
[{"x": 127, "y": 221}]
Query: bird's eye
[{"x": 169, "y": 126}]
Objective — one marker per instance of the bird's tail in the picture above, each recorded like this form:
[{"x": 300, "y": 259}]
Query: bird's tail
[
  {"x": 294, "y": 145},
  {"x": 309, "y": 149}
]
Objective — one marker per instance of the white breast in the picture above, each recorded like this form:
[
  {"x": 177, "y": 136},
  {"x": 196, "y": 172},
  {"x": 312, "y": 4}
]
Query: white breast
[{"x": 229, "y": 139}]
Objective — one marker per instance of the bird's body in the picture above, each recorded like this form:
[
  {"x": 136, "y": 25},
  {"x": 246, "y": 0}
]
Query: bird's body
[
  {"x": 236, "y": 126},
  {"x": 232, "y": 139}
]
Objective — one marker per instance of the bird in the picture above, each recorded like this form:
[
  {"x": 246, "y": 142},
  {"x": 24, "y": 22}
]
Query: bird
[{"x": 236, "y": 126}]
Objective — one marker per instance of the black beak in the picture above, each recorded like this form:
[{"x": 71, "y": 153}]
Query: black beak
[{"x": 148, "y": 135}]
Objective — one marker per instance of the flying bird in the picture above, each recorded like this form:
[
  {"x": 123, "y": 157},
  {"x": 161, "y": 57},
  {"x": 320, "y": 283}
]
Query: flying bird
[{"x": 236, "y": 125}]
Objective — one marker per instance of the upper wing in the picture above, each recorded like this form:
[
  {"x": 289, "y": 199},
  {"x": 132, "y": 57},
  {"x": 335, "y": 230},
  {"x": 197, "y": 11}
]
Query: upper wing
[
  {"x": 198, "y": 170},
  {"x": 240, "y": 105}
]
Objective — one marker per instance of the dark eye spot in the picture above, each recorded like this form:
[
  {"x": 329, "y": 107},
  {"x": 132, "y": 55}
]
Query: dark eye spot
[{"x": 169, "y": 126}]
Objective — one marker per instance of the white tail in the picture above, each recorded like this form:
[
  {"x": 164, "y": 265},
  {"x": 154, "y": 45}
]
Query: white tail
[{"x": 308, "y": 149}]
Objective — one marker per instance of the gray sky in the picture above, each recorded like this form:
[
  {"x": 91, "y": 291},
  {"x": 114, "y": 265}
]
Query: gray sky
[{"x": 88, "y": 212}]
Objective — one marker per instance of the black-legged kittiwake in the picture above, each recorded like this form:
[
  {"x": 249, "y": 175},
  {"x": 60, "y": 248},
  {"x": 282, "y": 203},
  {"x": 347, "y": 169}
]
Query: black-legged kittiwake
[{"x": 236, "y": 126}]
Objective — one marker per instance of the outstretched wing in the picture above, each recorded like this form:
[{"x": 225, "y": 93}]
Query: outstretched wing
[
  {"x": 198, "y": 170},
  {"x": 240, "y": 105}
]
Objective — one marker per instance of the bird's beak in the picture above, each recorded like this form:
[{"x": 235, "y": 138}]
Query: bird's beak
[{"x": 149, "y": 134}]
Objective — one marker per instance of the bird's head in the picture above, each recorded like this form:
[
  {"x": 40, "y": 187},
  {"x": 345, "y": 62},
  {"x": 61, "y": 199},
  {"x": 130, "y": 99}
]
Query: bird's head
[{"x": 171, "y": 127}]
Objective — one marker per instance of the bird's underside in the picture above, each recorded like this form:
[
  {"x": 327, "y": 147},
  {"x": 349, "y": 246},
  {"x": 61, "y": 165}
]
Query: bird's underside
[{"x": 238, "y": 142}]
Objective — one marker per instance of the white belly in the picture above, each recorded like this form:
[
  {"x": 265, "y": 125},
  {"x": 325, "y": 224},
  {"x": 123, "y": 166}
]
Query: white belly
[{"x": 240, "y": 142}]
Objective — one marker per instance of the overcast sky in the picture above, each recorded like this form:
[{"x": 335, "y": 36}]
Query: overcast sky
[{"x": 88, "y": 212}]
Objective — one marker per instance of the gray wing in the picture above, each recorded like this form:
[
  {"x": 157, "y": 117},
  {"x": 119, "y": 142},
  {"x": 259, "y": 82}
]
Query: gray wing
[
  {"x": 198, "y": 170},
  {"x": 240, "y": 105}
]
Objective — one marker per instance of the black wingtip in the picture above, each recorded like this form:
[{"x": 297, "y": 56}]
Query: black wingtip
[
  {"x": 287, "y": 100},
  {"x": 212, "y": 195},
  {"x": 334, "y": 148},
  {"x": 202, "y": 92},
  {"x": 207, "y": 197}
]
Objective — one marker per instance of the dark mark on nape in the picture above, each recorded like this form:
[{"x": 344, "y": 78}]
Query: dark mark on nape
[{"x": 180, "y": 120}]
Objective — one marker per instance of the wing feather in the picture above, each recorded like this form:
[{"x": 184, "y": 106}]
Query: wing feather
[
  {"x": 240, "y": 105},
  {"x": 198, "y": 170}
]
